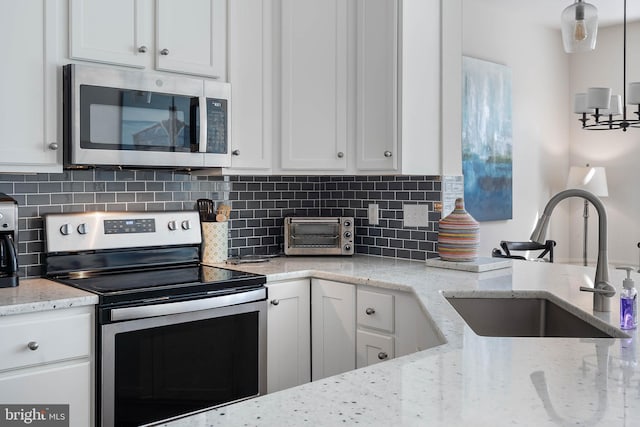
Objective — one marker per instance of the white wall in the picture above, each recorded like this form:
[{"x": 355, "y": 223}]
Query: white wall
[
  {"x": 618, "y": 151},
  {"x": 541, "y": 117}
]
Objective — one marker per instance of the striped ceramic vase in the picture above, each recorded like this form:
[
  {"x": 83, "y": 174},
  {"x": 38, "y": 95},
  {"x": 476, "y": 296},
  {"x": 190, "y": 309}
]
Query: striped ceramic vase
[{"x": 458, "y": 235}]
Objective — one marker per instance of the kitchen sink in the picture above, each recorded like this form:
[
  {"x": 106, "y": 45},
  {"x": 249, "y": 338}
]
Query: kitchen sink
[{"x": 526, "y": 316}]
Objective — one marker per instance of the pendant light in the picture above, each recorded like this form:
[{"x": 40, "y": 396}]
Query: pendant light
[
  {"x": 579, "y": 27},
  {"x": 598, "y": 102}
]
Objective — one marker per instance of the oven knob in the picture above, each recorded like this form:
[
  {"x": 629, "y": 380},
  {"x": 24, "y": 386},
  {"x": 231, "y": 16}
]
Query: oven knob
[
  {"x": 347, "y": 223},
  {"x": 347, "y": 234},
  {"x": 186, "y": 224},
  {"x": 347, "y": 247},
  {"x": 83, "y": 229},
  {"x": 172, "y": 225},
  {"x": 65, "y": 229}
]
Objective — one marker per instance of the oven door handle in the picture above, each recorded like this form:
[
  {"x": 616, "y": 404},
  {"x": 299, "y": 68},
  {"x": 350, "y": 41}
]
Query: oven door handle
[{"x": 144, "y": 311}]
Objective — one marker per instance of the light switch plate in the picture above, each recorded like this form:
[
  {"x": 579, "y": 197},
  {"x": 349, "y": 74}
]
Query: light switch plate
[
  {"x": 373, "y": 215},
  {"x": 416, "y": 215}
]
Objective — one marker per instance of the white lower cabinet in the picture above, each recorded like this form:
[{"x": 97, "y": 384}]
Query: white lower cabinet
[
  {"x": 373, "y": 348},
  {"x": 333, "y": 326},
  {"x": 46, "y": 358},
  {"x": 352, "y": 326},
  {"x": 390, "y": 324},
  {"x": 288, "y": 334}
]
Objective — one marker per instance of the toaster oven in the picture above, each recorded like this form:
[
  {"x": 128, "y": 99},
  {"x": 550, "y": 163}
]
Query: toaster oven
[{"x": 319, "y": 236}]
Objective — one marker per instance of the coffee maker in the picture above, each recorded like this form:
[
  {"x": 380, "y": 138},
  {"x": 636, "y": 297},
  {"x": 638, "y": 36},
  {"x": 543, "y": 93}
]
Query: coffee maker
[{"x": 8, "y": 241}]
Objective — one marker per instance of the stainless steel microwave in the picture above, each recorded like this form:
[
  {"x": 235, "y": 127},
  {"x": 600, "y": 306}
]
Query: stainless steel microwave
[
  {"x": 319, "y": 236},
  {"x": 116, "y": 117}
]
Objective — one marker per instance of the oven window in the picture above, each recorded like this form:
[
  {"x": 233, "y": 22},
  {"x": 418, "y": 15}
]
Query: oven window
[
  {"x": 324, "y": 235},
  {"x": 172, "y": 370},
  {"x": 121, "y": 119}
]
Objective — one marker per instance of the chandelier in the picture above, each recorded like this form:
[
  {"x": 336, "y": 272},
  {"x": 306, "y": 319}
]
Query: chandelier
[{"x": 598, "y": 108}]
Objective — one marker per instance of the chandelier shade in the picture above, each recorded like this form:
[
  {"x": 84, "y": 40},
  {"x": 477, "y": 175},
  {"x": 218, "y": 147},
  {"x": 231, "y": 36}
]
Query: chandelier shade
[
  {"x": 598, "y": 107},
  {"x": 579, "y": 23}
]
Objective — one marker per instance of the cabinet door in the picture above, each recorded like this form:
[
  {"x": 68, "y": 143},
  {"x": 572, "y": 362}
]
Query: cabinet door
[
  {"x": 114, "y": 32},
  {"x": 314, "y": 84},
  {"x": 333, "y": 322},
  {"x": 376, "y": 93},
  {"x": 250, "y": 74},
  {"x": 288, "y": 335},
  {"x": 28, "y": 81},
  {"x": 191, "y": 37},
  {"x": 373, "y": 348},
  {"x": 52, "y": 384}
]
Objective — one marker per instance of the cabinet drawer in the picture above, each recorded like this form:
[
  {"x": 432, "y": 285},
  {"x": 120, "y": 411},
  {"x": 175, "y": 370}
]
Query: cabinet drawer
[
  {"x": 375, "y": 310},
  {"x": 373, "y": 348},
  {"x": 38, "y": 338}
]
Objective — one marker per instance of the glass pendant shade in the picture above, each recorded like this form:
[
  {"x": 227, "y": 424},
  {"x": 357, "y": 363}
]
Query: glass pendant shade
[{"x": 579, "y": 27}]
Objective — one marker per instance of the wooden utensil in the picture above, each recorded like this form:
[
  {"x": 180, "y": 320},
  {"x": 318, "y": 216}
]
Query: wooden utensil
[{"x": 223, "y": 213}]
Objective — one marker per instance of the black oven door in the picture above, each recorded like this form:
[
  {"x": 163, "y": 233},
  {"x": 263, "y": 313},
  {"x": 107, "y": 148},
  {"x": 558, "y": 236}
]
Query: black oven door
[{"x": 167, "y": 366}]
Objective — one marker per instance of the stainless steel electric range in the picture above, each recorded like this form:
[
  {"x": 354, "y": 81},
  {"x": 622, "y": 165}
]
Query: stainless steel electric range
[{"x": 173, "y": 337}]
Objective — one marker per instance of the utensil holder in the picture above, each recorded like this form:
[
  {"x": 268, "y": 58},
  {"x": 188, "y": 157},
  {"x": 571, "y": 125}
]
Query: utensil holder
[{"x": 215, "y": 242}]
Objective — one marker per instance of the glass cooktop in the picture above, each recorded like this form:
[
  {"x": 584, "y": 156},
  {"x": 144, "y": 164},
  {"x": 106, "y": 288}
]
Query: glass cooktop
[{"x": 166, "y": 282}]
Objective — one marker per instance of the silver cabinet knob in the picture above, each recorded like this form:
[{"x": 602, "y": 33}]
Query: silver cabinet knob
[
  {"x": 83, "y": 229},
  {"x": 54, "y": 146},
  {"x": 340, "y": 154},
  {"x": 172, "y": 225},
  {"x": 235, "y": 152},
  {"x": 142, "y": 49},
  {"x": 382, "y": 355},
  {"x": 164, "y": 52},
  {"x": 370, "y": 311},
  {"x": 388, "y": 154},
  {"x": 275, "y": 301},
  {"x": 65, "y": 229},
  {"x": 33, "y": 345}
]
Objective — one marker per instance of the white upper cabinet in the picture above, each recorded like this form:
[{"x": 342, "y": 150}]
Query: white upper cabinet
[
  {"x": 165, "y": 35},
  {"x": 250, "y": 74},
  {"x": 191, "y": 37},
  {"x": 116, "y": 32},
  {"x": 314, "y": 78},
  {"x": 29, "y": 140},
  {"x": 377, "y": 82}
]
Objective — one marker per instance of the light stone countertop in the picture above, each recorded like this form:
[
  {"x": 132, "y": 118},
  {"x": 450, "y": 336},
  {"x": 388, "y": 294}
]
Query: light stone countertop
[
  {"x": 469, "y": 380},
  {"x": 41, "y": 294}
]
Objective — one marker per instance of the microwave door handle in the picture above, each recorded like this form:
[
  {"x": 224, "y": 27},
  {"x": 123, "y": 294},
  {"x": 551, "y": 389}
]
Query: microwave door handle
[{"x": 203, "y": 125}]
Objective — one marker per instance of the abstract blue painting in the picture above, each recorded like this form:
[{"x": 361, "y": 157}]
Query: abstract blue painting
[{"x": 486, "y": 139}]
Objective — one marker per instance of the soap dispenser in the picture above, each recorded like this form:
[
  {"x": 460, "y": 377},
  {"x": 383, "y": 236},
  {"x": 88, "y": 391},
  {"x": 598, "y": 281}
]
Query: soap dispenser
[{"x": 628, "y": 302}]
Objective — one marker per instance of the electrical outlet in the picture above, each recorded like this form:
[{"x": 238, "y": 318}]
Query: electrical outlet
[
  {"x": 416, "y": 215},
  {"x": 373, "y": 215}
]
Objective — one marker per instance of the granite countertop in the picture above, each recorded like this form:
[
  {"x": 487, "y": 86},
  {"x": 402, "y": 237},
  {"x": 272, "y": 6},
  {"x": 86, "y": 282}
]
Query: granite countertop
[
  {"x": 41, "y": 294},
  {"x": 469, "y": 380}
]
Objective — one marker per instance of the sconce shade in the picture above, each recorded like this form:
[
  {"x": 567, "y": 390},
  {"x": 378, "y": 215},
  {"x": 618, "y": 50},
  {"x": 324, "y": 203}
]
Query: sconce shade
[
  {"x": 592, "y": 179},
  {"x": 579, "y": 23}
]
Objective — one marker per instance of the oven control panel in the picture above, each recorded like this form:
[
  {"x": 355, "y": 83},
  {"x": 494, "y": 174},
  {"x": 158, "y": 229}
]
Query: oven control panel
[
  {"x": 73, "y": 232},
  {"x": 134, "y": 225}
]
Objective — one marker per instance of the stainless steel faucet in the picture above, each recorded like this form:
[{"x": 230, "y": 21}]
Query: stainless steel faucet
[{"x": 602, "y": 290}]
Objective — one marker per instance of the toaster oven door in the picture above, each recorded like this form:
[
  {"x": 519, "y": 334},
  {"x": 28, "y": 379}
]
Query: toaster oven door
[{"x": 312, "y": 236}]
